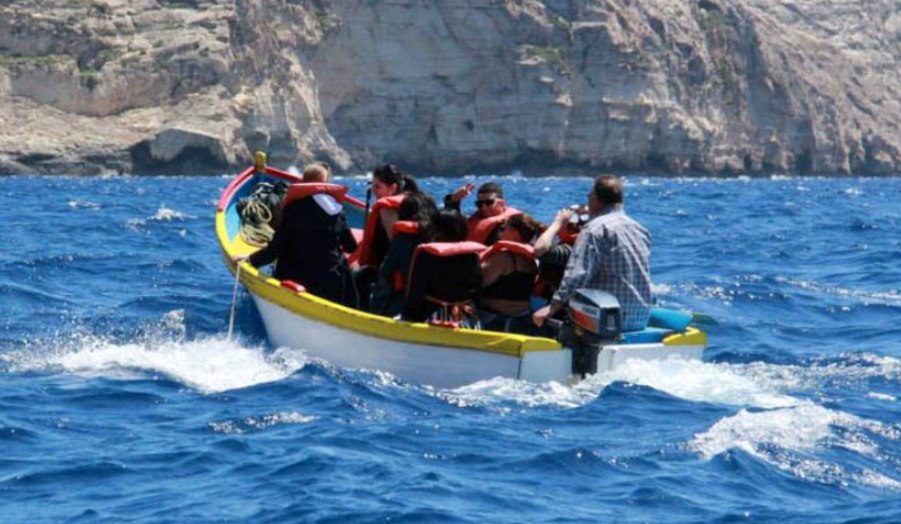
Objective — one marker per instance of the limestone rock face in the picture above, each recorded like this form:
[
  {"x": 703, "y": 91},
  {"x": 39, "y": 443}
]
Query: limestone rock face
[{"x": 675, "y": 86}]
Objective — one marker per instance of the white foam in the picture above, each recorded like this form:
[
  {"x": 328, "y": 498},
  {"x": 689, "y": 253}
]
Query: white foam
[
  {"x": 691, "y": 380},
  {"x": 798, "y": 428},
  {"x": 865, "y": 297},
  {"x": 166, "y": 214},
  {"x": 492, "y": 391},
  {"x": 881, "y": 396},
  {"x": 83, "y": 204},
  {"x": 209, "y": 365},
  {"x": 787, "y": 438},
  {"x": 704, "y": 382},
  {"x": 661, "y": 289},
  {"x": 756, "y": 385},
  {"x": 163, "y": 214},
  {"x": 237, "y": 427}
]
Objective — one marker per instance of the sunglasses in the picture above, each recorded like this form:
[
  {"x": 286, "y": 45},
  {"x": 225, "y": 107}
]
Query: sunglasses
[{"x": 486, "y": 202}]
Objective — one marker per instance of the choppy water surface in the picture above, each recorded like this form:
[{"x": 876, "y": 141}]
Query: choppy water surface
[{"x": 122, "y": 400}]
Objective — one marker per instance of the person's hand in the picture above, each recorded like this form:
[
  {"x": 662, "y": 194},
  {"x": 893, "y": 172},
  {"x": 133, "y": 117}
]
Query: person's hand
[
  {"x": 463, "y": 192},
  {"x": 563, "y": 216},
  {"x": 237, "y": 259},
  {"x": 541, "y": 315}
]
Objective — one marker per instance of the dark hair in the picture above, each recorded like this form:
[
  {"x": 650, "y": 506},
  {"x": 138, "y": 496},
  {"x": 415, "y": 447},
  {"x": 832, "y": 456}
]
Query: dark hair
[
  {"x": 389, "y": 174},
  {"x": 450, "y": 226},
  {"x": 527, "y": 227},
  {"x": 491, "y": 187},
  {"x": 608, "y": 189},
  {"x": 419, "y": 208}
]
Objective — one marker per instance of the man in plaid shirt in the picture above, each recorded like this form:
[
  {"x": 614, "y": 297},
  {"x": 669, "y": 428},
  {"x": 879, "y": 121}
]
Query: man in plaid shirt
[{"x": 611, "y": 254}]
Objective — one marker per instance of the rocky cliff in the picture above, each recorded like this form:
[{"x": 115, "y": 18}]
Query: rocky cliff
[{"x": 666, "y": 86}]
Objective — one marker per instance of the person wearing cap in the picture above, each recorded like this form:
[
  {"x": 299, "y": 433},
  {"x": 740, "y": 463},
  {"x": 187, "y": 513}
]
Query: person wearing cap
[{"x": 612, "y": 253}]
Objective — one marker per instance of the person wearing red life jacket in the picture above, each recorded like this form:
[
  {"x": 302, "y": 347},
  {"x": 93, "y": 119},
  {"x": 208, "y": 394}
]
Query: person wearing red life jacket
[
  {"x": 491, "y": 212},
  {"x": 416, "y": 217},
  {"x": 311, "y": 239},
  {"x": 390, "y": 186},
  {"x": 510, "y": 269}
]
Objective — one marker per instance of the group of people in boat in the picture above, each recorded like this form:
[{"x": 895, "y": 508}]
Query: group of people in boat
[{"x": 421, "y": 263}]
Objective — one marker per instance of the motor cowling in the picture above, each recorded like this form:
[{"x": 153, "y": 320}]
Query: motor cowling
[
  {"x": 596, "y": 312},
  {"x": 595, "y": 318}
]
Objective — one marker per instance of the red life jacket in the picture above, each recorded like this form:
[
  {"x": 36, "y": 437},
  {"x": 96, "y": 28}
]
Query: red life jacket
[
  {"x": 568, "y": 234},
  {"x": 366, "y": 255},
  {"x": 307, "y": 189},
  {"x": 403, "y": 227},
  {"x": 508, "y": 246},
  {"x": 516, "y": 249},
  {"x": 407, "y": 227},
  {"x": 448, "y": 249},
  {"x": 480, "y": 228}
]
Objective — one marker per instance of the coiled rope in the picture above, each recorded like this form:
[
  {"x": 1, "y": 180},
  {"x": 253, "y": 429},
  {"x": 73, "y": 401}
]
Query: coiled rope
[{"x": 255, "y": 218}]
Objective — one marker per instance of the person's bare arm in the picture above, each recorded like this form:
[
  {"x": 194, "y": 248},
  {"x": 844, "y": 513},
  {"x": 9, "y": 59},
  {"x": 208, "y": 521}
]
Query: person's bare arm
[
  {"x": 492, "y": 269},
  {"x": 546, "y": 240},
  {"x": 389, "y": 217}
]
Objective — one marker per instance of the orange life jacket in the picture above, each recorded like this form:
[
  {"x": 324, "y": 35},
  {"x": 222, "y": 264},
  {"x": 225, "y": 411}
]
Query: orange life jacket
[
  {"x": 480, "y": 228},
  {"x": 508, "y": 246},
  {"x": 366, "y": 255},
  {"x": 447, "y": 249},
  {"x": 514, "y": 248},
  {"x": 407, "y": 227},
  {"x": 307, "y": 189}
]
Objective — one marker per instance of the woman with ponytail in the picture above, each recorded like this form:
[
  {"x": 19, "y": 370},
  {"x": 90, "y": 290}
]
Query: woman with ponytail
[
  {"x": 416, "y": 225},
  {"x": 390, "y": 187}
]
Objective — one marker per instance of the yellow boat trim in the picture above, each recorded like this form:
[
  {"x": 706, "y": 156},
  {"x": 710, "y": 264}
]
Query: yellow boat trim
[
  {"x": 691, "y": 337},
  {"x": 315, "y": 308}
]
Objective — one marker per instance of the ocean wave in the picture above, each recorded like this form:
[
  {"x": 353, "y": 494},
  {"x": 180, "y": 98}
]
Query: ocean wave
[
  {"x": 788, "y": 438},
  {"x": 864, "y": 297}
]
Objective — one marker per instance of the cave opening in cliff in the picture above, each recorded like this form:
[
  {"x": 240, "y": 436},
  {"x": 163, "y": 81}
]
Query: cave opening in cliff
[{"x": 192, "y": 160}]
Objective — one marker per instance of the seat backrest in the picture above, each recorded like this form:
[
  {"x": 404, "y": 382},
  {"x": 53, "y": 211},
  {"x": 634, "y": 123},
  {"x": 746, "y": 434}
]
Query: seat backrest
[{"x": 442, "y": 273}]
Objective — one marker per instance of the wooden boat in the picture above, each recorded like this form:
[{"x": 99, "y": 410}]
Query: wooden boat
[{"x": 435, "y": 355}]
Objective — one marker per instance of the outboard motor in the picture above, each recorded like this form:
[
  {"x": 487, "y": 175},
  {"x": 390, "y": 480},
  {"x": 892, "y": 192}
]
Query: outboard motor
[{"x": 595, "y": 319}]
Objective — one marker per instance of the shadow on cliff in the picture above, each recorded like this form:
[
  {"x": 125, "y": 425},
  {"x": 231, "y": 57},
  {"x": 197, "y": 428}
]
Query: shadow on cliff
[{"x": 191, "y": 160}]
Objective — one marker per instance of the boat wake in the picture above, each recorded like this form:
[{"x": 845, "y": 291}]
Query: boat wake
[
  {"x": 689, "y": 380},
  {"x": 209, "y": 365},
  {"x": 777, "y": 420}
]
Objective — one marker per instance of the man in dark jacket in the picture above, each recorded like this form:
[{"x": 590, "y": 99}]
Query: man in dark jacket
[{"x": 310, "y": 243}]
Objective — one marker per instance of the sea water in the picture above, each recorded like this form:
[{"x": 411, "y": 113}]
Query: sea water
[{"x": 123, "y": 400}]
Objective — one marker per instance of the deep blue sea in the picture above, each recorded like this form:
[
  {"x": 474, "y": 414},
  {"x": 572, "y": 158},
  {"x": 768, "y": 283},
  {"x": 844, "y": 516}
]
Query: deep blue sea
[{"x": 123, "y": 400}]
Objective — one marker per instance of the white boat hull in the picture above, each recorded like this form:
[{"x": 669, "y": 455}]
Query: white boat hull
[{"x": 442, "y": 367}]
